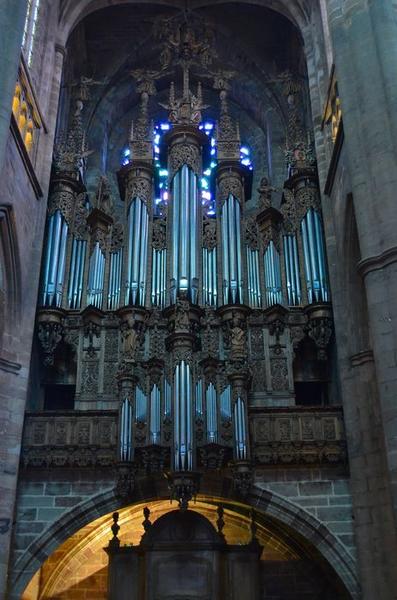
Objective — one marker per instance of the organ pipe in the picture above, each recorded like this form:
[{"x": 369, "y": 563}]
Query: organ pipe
[
  {"x": 140, "y": 406},
  {"x": 155, "y": 410},
  {"x": 292, "y": 274},
  {"x": 211, "y": 413},
  {"x": 231, "y": 252},
  {"x": 126, "y": 432},
  {"x": 54, "y": 262},
  {"x": 199, "y": 399},
  {"x": 240, "y": 430},
  {"x": 116, "y": 259},
  {"x": 314, "y": 258},
  {"x": 272, "y": 275},
  {"x": 226, "y": 404},
  {"x": 76, "y": 274},
  {"x": 159, "y": 281},
  {"x": 183, "y": 430},
  {"x": 185, "y": 214},
  {"x": 210, "y": 292},
  {"x": 96, "y": 277},
  {"x": 138, "y": 226},
  {"x": 254, "y": 289}
]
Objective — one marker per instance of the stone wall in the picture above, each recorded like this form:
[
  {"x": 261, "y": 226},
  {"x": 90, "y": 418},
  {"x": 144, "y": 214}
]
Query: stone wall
[{"x": 44, "y": 504}]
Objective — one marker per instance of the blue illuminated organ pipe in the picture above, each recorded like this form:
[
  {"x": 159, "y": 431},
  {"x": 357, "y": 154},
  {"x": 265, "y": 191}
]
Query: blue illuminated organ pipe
[
  {"x": 254, "y": 288},
  {"x": 54, "y": 262},
  {"x": 292, "y": 273},
  {"x": 211, "y": 414},
  {"x": 114, "y": 289},
  {"x": 140, "y": 405},
  {"x": 240, "y": 430},
  {"x": 226, "y": 404},
  {"x": 155, "y": 415},
  {"x": 231, "y": 252},
  {"x": 273, "y": 286},
  {"x": 167, "y": 398},
  {"x": 138, "y": 226},
  {"x": 199, "y": 399},
  {"x": 76, "y": 273},
  {"x": 210, "y": 292},
  {"x": 126, "y": 431},
  {"x": 314, "y": 256},
  {"x": 185, "y": 215},
  {"x": 183, "y": 422},
  {"x": 159, "y": 277},
  {"x": 96, "y": 277}
]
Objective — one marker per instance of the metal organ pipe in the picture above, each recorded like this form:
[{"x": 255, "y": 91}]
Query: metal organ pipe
[
  {"x": 185, "y": 212},
  {"x": 138, "y": 225},
  {"x": 116, "y": 259},
  {"x": 254, "y": 290},
  {"x": 183, "y": 426},
  {"x": 314, "y": 256},
  {"x": 76, "y": 275},
  {"x": 167, "y": 398},
  {"x": 159, "y": 286},
  {"x": 155, "y": 415},
  {"x": 226, "y": 404},
  {"x": 140, "y": 406},
  {"x": 126, "y": 432},
  {"x": 55, "y": 256},
  {"x": 209, "y": 277},
  {"x": 96, "y": 276},
  {"x": 211, "y": 410},
  {"x": 291, "y": 261},
  {"x": 273, "y": 275},
  {"x": 231, "y": 247},
  {"x": 240, "y": 430}
]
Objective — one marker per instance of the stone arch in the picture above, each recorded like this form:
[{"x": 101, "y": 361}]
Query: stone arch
[
  {"x": 288, "y": 519},
  {"x": 72, "y": 13}
]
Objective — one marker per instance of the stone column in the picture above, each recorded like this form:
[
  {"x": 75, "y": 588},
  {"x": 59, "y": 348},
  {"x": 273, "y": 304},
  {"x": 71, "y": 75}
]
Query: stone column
[
  {"x": 12, "y": 19},
  {"x": 364, "y": 34}
]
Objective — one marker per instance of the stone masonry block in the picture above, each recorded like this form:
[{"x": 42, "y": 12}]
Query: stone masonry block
[
  {"x": 335, "y": 513},
  {"x": 57, "y": 489},
  {"x": 36, "y": 501},
  {"x": 50, "y": 514},
  {"x": 315, "y": 488}
]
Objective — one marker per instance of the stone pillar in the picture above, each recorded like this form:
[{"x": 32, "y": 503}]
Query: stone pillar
[
  {"x": 12, "y": 19},
  {"x": 364, "y": 34}
]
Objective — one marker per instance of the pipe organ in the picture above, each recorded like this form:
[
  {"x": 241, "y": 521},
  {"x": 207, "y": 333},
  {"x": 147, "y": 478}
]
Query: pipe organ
[{"x": 185, "y": 318}]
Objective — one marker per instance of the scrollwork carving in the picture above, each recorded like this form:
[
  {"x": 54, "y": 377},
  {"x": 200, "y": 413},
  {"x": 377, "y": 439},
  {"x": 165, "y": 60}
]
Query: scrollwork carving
[
  {"x": 184, "y": 154},
  {"x": 139, "y": 187},
  {"x": 159, "y": 234},
  {"x": 209, "y": 234},
  {"x": 230, "y": 186}
]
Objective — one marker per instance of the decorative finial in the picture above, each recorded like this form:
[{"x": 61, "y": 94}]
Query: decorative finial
[
  {"x": 220, "y": 523},
  {"x": 253, "y": 528},
  {"x": 146, "y": 523},
  {"x": 115, "y": 542}
]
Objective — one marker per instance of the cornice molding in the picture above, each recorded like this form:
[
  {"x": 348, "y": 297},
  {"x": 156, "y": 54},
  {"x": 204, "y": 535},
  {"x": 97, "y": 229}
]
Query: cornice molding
[
  {"x": 377, "y": 262},
  {"x": 9, "y": 366},
  {"x": 361, "y": 358}
]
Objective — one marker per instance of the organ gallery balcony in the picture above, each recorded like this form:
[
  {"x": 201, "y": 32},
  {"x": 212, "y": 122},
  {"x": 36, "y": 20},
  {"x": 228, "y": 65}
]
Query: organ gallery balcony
[{"x": 279, "y": 437}]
